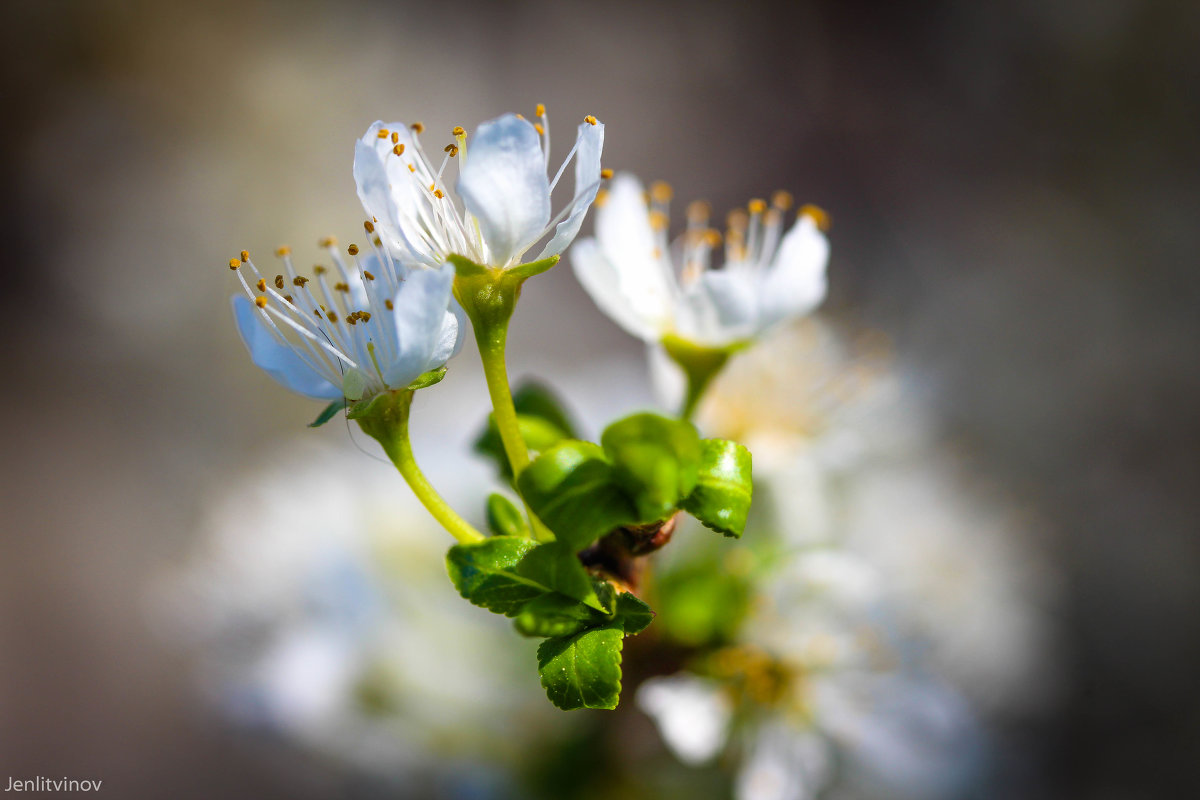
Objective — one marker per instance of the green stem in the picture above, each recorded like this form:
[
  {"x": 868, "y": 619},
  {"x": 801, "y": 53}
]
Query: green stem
[
  {"x": 701, "y": 364},
  {"x": 387, "y": 422},
  {"x": 492, "y": 340}
]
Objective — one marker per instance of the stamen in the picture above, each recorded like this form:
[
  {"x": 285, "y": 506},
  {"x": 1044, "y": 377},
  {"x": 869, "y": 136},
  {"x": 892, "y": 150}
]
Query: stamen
[
  {"x": 245, "y": 256},
  {"x": 278, "y": 281},
  {"x": 383, "y": 133},
  {"x": 352, "y": 249},
  {"x": 390, "y": 305},
  {"x": 782, "y": 200},
  {"x": 757, "y": 206},
  {"x": 299, "y": 280},
  {"x": 328, "y": 241},
  {"x": 418, "y": 127},
  {"x": 698, "y": 212},
  {"x": 459, "y": 130},
  {"x": 282, "y": 251},
  {"x": 367, "y": 274},
  {"x": 318, "y": 269},
  {"x": 369, "y": 226},
  {"x": 399, "y": 150},
  {"x": 658, "y": 220},
  {"x": 262, "y": 285},
  {"x": 606, "y": 173},
  {"x": 818, "y": 215},
  {"x": 589, "y": 119},
  {"x": 540, "y": 111},
  {"x": 452, "y": 149},
  {"x": 260, "y": 301},
  {"x": 234, "y": 263},
  {"x": 341, "y": 287},
  {"x": 661, "y": 192}
]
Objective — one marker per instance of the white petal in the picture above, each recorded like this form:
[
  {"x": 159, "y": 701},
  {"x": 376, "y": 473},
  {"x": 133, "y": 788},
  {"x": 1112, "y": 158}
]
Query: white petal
[
  {"x": 385, "y": 186},
  {"x": 278, "y": 360},
  {"x": 795, "y": 282},
  {"x": 667, "y": 378},
  {"x": 623, "y": 232},
  {"x": 692, "y": 715},
  {"x": 419, "y": 313},
  {"x": 588, "y": 144},
  {"x": 448, "y": 342},
  {"x": 600, "y": 279},
  {"x": 727, "y": 305},
  {"x": 503, "y": 184}
]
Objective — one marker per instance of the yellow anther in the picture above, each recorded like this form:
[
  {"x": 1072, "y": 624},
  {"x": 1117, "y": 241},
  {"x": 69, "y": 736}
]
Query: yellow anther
[
  {"x": 377, "y": 242},
  {"x": 383, "y": 133},
  {"x": 318, "y": 269},
  {"x": 452, "y": 149},
  {"x": 316, "y": 313},
  {"x": 537, "y": 126},
  {"x": 660, "y": 192},
  {"x": 782, "y": 200},
  {"x": 369, "y": 226},
  {"x": 299, "y": 280},
  {"x": 540, "y": 111},
  {"x": 395, "y": 137},
  {"x": 818, "y": 215},
  {"x": 288, "y": 297},
  {"x": 698, "y": 211},
  {"x": 283, "y": 251},
  {"x": 418, "y": 127},
  {"x": 368, "y": 275},
  {"x": 328, "y": 241},
  {"x": 278, "y": 281},
  {"x": 432, "y": 186},
  {"x": 262, "y": 285},
  {"x": 365, "y": 316},
  {"x": 341, "y": 287},
  {"x": 331, "y": 316},
  {"x": 601, "y": 198},
  {"x": 260, "y": 301},
  {"x": 712, "y": 237},
  {"x": 245, "y": 256},
  {"x": 234, "y": 263},
  {"x": 757, "y": 206},
  {"x": 352, "y": 249},
  {"x": 459, "y": 130},
  {"x": 589, "y": 119},
  {"x": 737, "y": 220},
  {"x": 605, "y": 174},
  {"x": 439, "y": 194},
  {"x": 411, "y": 168},
  {"x": 389, "y": 304},
  {"x": 658, "y": 220},
  {"x": 398, "y": 150}
]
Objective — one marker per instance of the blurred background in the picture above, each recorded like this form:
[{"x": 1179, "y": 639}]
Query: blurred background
[{"x": 1014, "y": 189}]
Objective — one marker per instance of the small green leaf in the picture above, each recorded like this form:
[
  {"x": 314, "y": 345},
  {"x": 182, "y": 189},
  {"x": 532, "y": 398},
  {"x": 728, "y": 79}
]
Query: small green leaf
[
  {"x": 535, "y": 400},
  {"x": 573, "y": 489},
  {"x": 329, "y": 412},
  {"x": 555, "y": 567},
  {"x": 655, "y": 460},
  {"x": 633, "y": 614},
  {"x": 427, "y": 379},
  {"x": 485, "y": 574},
  {"x": 721, "y": 499},
  {"x": 583, "y": 670},
  {"x": 533, "y": 267},
  {"x": 555, "y": 614},
  {"x": 504, "y": 518}
]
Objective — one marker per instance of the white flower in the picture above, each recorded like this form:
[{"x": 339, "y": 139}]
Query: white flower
[
  {"x": 654, "y": 288},
  {"x": 502, "y": 183},
  {"x": 375, "y": 328}
]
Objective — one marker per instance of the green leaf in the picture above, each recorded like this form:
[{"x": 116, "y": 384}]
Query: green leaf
[
  {"x": 583, "y": 670},
  {"x": 573, "y": 489},
  {"x": 427, "y": 379},
  {"x": 556, "y": 615},
  {"x": 504, "y": 518},
  {"x": 633, "y": 615},
  {"x": 329, "y": 412},
  {"x": 724, "y": 487},
  {"x": 535, "y": 400},
  {"x": 485, "y": 574},
  {"x": 656, "y": 461},
  {"x": 524, "y": 271},
  {"x": 555, "y": 567}
]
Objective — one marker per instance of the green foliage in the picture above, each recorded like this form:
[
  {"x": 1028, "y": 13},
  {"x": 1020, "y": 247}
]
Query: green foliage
[
  {"x": 655, "y": 461},
  {"x": 721, "y": 498},
  {"x": 504, "y": 518},
  {"x": 329, "y": 412},
  {"x": 574, "y": 490},
  {"x": 583, "y": 670},
  {"x": 542, "y": 421},
  {"x": 486, "y": 574}
]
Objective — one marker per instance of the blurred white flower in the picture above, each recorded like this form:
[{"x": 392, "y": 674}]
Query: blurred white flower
[
  {"x": 502, "y": 182},
  {"x": 654, "y": 288},
  {"x": 317, "y": 607}
]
